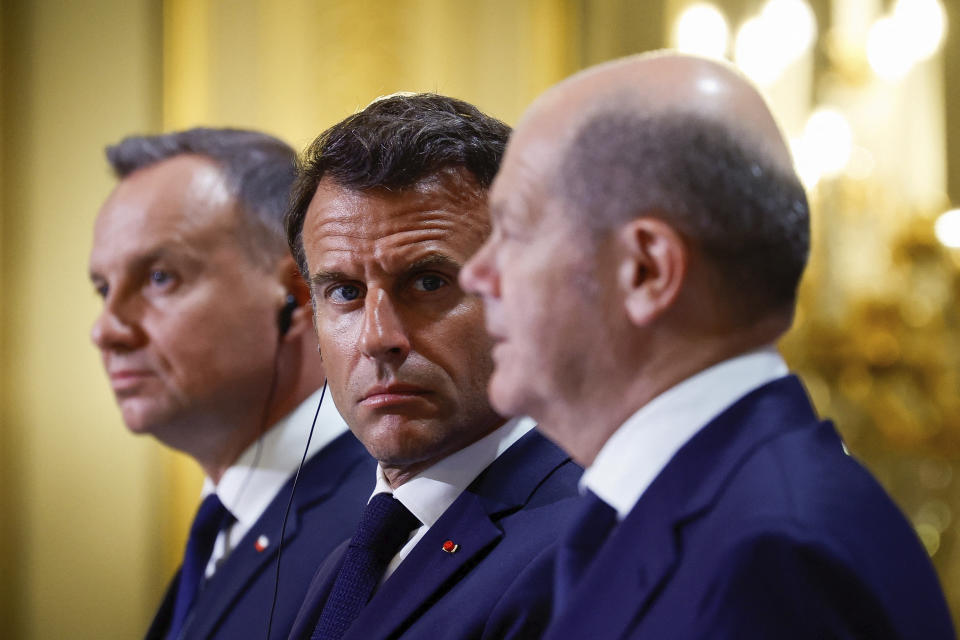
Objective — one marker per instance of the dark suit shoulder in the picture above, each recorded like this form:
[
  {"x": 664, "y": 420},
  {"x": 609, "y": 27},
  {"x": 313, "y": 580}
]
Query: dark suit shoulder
[
  {"x": 328, "y": 500},
  {"x": 780, "y": 584},
  {"x": 531, "y": 473},
  {"x": 803, "y": 532}
]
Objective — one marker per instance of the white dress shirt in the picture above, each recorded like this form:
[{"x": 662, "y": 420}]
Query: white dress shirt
[
  {"x": 253, "y": 481},
  {"x": 431, "y": 492},
  {"x": 643, "y": 445}
]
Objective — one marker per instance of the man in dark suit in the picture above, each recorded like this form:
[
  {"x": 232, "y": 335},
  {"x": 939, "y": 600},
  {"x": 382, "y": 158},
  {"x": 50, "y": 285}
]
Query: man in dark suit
[
  {"x": 649, "y": 235},
  {"x": 388, "y": 205},
  {"x": 209, "y": 348}
]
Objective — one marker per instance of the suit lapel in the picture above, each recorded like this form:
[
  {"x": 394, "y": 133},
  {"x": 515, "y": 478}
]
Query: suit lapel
[
  {"x": 242, "y": 566},
  {"x": 420, "y": 579},
  {"x": 320, "y": 477},
  {"x": 317, "y": 593},
  {"x": 472, "y": 522},
  {"x": 643, "y": 550}
]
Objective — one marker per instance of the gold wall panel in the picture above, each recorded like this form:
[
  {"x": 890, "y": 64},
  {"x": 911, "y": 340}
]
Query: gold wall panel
[{"x": 79, "y": 528}]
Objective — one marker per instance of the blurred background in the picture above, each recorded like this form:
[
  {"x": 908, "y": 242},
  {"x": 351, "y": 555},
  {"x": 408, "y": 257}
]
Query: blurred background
[{"x": 92, "y": 519}]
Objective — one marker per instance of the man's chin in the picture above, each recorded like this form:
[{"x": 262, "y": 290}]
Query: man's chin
[
  {"x": 505, "y": 396},
  {"x": 138, "y": 428},
  {"x": 397, "y": 441},
  {"x": 140, "y": 420}
]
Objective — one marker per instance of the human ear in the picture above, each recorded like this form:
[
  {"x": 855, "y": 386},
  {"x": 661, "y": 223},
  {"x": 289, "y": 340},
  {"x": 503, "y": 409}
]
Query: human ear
[
  {"x": 294, "y": 285},
  {"x": 653, "y": 260}
]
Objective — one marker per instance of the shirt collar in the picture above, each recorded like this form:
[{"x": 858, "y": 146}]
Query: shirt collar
[
  {"x": 431, "y": 492},
  {"x": 253, "y": 481},
  {"x": 644, "y": 444}
]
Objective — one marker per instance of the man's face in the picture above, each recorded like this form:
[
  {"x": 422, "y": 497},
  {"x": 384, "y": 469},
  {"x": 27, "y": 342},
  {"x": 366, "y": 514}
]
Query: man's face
[
  {"x": 540, "y": 277},
  {"x": 404, "y": 347},
  {"x": 187, "y": 332}
]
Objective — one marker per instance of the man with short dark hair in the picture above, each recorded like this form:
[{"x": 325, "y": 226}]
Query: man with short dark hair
[
  {"x": 207, "y": 342},
  {"x": 649, "y": 236},
  {"x": 388, "y": 205}
]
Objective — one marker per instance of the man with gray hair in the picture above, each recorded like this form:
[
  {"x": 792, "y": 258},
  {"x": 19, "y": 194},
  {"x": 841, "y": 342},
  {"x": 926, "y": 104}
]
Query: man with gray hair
[
  {"x": 206, "y": 337},
  {"x": 649, "y": 236}
]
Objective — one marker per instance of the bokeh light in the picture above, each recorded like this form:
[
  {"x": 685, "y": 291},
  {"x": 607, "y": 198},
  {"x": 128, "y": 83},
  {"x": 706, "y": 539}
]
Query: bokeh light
[
  {"x": 702, "y": 30},
  {"x": 826, "y": 146},
  {"x": 885, "y": 51},
  {"x": 947, "y": 228},
  {"x": 768, "y": 43},
  {"x": 794, "y": 26},
  {"x": 912, "y": 33},
  {"x": 921, "y": 25}
]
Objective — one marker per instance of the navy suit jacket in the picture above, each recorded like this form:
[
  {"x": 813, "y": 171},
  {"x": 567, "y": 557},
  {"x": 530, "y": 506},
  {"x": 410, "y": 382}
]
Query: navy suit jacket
[
  {"x": 760, "y": 527},
  {"x": 333, "y": 487},
  {"x": 504, "y": 522}
]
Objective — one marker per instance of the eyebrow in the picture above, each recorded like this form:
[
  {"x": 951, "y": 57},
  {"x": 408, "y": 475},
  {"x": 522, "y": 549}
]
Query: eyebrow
[
  {"x": 321, "y": 277},
  {"x": 157, "y": 253},
  {"x": 426, "y": 262},
  {"x": 435, "y": 260}
]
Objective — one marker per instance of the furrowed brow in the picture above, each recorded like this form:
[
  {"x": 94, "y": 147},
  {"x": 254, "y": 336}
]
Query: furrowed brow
[
  {"x": 323, "y": 277},
  {"x": 435, "y": 260}
]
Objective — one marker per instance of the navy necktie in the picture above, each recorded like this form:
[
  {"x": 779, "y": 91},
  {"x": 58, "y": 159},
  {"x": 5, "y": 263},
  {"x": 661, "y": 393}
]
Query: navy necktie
[
  {"x": 580, "y": 545},
  {"x": 210, "y": 518},
  {"x": 384, "y": 528}
]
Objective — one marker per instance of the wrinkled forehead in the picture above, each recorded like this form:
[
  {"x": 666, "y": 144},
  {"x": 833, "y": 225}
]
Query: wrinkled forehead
[{"x": 343, "y": 225}]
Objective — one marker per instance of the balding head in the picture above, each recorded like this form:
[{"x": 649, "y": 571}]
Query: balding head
[
  {"x": 690, "y": 141},
  {"x": 663, "y": 83},
  {"x": 647, "y": 224}
]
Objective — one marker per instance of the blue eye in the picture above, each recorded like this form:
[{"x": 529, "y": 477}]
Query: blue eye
[
  {"x": 429, "y": 282},
  {"x": 344, "y": 293},
  {"x": 159, "y": 277}
]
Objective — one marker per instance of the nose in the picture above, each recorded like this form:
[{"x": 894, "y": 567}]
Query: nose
[
  {"x": 479, "y": 275},
  {"x": 383, "y": 336},
  {"x": 111, "y": 332}
]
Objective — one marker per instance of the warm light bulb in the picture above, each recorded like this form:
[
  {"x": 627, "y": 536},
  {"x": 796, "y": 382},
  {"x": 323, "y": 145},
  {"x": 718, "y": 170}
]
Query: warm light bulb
[
  {"x": 947, "y": 228},
  {"x": 792, "y": 25},
  {"x": 702, "y": 30},
  {"x": 768, "y": 43},
  {"x": 828, "y": 139},
  {"x": 755, "y": 52},
  {"x": 886, "y": 53},
  {"x": 921, "y": 25}
]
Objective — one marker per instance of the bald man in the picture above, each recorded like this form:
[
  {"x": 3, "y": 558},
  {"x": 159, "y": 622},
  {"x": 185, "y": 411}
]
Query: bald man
[{"x": 649, "y": 236}]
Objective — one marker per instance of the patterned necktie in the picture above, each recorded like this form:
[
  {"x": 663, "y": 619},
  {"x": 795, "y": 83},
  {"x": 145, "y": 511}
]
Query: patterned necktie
[
  {"x": 210, "y": 518},
  {"x": 384, "y": 528},
  {"x": 580, "y": 545}
]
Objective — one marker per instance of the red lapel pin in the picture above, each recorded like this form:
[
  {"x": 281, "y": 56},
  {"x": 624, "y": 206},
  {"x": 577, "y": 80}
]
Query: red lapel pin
[
  {"x": 450, "y": 546},
  {"x": 262, "y": 543}
]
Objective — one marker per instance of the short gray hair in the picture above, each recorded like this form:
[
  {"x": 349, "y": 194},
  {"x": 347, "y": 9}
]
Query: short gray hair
[
  {"x": 748, "y": 216},
  {"x": 258, "y": 169}
]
